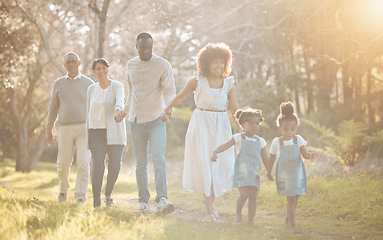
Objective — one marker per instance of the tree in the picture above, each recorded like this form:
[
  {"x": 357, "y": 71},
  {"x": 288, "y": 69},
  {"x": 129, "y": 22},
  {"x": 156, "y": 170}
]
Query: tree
[
  {"x": 22, "y": 109},
  {"x": 325, "y": 56}
]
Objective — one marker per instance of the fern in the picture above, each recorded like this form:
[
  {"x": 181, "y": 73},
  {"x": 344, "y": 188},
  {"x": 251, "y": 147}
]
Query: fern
[
  {"x": 349, "y": 142},
  {"x": 352, "y": 131},
  {"x": 353, "y": 134},
  {"x": 320, "y": 128}
]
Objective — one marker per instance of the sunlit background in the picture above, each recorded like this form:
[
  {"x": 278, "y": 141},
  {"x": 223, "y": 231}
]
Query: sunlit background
[{"x": 326, "y": 56}]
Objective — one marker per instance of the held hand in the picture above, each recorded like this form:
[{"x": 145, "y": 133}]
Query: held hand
[
  {"x": 311, "y": 155},
  {"x": 117, "y": 113},
  {"x": 270, "y": 177},
  {"x": 49, "y": 136},
  {"x": 214, "y": 157},
  {"x": 165, "y": 117},
  {"x": 119, "y": 116}
]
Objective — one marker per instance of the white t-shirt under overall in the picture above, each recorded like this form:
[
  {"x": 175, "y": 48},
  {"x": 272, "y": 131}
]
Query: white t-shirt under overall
[
  {"x": 238, "y": 142},
  {"x": 275, "y": 147}
]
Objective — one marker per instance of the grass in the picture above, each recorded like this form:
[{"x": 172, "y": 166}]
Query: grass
[{"x": 347, "y": 207}]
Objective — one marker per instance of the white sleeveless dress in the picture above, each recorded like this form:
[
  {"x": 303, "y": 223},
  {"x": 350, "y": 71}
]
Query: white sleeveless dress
[{"x": 206, "y": 131}]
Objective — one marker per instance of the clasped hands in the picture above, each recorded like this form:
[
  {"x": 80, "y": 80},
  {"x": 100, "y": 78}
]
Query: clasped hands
[
  {"x": 119, "y": 115},
  {"x": 166, "y": 116}
]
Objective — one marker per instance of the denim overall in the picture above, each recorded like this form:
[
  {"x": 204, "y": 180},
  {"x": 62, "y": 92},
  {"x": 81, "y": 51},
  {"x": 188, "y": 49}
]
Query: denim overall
[
  {"x": 248, "y": 163},
  {"x": 290, "y": 172}
]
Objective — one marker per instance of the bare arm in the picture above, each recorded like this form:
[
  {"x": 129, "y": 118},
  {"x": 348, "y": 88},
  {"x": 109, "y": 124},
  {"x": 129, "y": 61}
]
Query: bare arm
[
  {"x": 233, "y": 104},
  {"x": 265, "y": 157},
  {"x": 126, "y": 109},
  {"x": 305, "y": 153},
  {"x": 119, "y": 106},
  {"x": 270, "y": 166},
  {"x": 189, "y": 87},
  {"x": 222, "y": 148}
]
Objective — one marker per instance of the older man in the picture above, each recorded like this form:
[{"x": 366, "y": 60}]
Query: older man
[{"x": 68, "y": 101}]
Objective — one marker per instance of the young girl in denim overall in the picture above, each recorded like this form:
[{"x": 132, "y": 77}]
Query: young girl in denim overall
[
  {"x": 290, "y": 171},
  {"x": 250, "y": 151}
]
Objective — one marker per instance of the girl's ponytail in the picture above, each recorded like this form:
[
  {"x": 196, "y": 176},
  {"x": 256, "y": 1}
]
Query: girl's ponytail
[
  {"x": 286, "y": 108},
  {"x": 287, "y": 113}
]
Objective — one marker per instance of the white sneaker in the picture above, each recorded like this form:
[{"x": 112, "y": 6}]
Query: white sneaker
[
  {"x": 164, "y": 206},
  {"x": 62, "y": 197},
  {"x": 80, "y": 201},
  {"x": 109, "y": 202},
  {"x": 144, "y": 208}
]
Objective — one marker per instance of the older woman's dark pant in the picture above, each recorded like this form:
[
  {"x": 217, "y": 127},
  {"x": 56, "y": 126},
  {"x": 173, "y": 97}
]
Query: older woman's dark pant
[{"x": 99, "y": 148}]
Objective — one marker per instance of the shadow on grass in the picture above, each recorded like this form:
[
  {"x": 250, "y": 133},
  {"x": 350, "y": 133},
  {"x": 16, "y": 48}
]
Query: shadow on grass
[
  {"x": 52, "y": 183},
  {"x": 124, "y": 187}
]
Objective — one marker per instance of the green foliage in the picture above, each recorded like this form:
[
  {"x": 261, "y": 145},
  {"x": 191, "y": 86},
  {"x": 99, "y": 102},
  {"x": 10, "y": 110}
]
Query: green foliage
[
  {"x": 314, "y": 131},
  {"x": 376, "y": 145},
  {"x": 258, "y": 93},
  {"x": 377, "y": 137},
  {"x": 17, "y": 44},
  {"x": 183, "y": 114},
  {"x": 323, "y": 130},
  {"x": 25, "y": 102},
  {"x": 352, "y": 141},
  {"x": 349, "y": 143},
  {"x": 176, "y": 130},
  {"x": 326, "y": 56}
]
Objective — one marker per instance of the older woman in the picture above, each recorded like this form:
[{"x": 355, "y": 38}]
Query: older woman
[{"x": 105, "y": 100}]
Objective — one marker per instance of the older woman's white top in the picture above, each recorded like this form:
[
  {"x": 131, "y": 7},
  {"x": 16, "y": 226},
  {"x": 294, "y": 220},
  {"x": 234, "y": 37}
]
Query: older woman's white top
[{"x": 100, "y": 110}]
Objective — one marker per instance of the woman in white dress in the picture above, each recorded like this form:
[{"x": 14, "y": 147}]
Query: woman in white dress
[{"x": 209, "y": 126}]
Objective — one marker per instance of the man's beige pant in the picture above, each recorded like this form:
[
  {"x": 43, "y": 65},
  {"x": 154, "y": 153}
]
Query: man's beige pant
[{"x": 72, "y": 137}]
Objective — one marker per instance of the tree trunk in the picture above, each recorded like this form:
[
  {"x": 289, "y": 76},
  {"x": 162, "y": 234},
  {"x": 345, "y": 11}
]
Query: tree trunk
[
  {"x": 297, "y": 103},
  {"x": 22, "y": 155},
  {"x": 36, "y": 152},
  {"x": 309, "y": 84},
  {"x": 336, "y": 90},
  {"x": 326, "y": 75},
  {"x": 346, "y": 83},
  {"x": 101, "y": 31},
  {"x": 358, "y": 96},
  {"x": 370, "y": 109},
  {"x": 28, "y": 150},
  {"x": 29, "y": 147}
]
